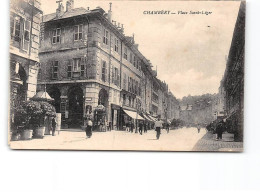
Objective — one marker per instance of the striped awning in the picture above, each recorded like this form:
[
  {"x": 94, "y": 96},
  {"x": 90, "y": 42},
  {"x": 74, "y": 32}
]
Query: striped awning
[
  {"x": 147, "y": 118},
  {"x": 133, "y": 115}
]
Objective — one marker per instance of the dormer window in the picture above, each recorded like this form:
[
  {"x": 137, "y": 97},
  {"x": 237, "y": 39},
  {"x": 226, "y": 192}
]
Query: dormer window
[{"x": 78, "y": 32}]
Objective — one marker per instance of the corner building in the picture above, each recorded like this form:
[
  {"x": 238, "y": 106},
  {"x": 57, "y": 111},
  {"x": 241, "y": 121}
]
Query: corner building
[{"x": 88, "y": 61}]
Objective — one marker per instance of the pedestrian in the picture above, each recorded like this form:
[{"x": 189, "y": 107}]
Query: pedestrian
[
  {"x": 132, "y": 127},
  {"x": 127, "y": 127},
  {"x": 141, "y": 128},
  {"x": 167, "y": 127},
  {"x": 53, "y": 126},
  {"x": 158, "y": 127},
  {"x": 89, "y": 128},
  {"x": 145, "y": 127},
  {"x": 220, "y": 129},
  {"x": 109, "y": 126},
  {"x": 198, "y": 127}
]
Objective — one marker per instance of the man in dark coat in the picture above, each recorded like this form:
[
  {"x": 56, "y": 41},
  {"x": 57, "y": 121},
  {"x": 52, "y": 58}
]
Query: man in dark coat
[
  {"x": 220, "y": 129},
  {"x": 53, "y": 126},
  {"x": 141, "y": 128}
]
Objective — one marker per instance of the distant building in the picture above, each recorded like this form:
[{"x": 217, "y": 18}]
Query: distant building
[
  {"x": 25, "y": 18},
  {"x": 233, "y": 81}
]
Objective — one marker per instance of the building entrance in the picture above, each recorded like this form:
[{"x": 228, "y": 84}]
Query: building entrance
[
  {"x": 75, "y": 110},
  {"x": 54, "y": 93}
]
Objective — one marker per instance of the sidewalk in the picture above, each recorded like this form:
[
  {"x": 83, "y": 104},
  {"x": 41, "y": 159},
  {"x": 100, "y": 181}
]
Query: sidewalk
[{"x": 209, "y": 143}]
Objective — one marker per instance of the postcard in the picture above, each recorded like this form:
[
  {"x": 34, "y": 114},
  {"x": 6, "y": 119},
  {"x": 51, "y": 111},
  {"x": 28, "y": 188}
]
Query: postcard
[{"x": 127, "y": 75}]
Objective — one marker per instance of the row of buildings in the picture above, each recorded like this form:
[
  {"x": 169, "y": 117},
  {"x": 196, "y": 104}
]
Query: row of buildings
[
  {"x": 231, "y": 90},
  {"x": 83, "y": 59},
  {"x": 228, "y": 103}
]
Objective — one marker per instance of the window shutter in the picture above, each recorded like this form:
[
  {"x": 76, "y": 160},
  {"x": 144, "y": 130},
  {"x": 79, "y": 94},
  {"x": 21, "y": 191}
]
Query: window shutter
[
  {"x": 113, "y": 74},
  {"x": 118, "y": 78},
  {"x": 106, "y": 76}
]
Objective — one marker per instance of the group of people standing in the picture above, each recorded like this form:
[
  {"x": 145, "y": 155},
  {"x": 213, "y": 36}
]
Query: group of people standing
[{"x": 130, "y": 126}]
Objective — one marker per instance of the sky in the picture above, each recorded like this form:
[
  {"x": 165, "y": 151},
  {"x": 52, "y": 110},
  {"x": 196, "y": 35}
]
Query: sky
[{"x": 189, "y": 51}]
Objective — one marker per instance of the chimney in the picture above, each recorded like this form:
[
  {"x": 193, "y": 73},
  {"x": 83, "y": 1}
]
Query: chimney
[
  {"x": 122, "y": 28},
  {"x": 60, "y": 10},
  {"x": 69, "y": 5},
  {"x": 110, "y": 12}
]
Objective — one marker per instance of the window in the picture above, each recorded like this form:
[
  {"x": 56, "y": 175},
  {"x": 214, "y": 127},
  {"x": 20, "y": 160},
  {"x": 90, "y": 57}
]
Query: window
[
  {"x": 15, "y": 27},
  {"x": 69, "y": 71},
  {"x": 104, "y": 71},
  {"x": 129, "y": 101},
  {"x": 131, "y": 58},
  {"x": 105, "y": 37},
  {"x": 26, "y": 35},
  {"x": 78, "y": 32},
  {"x": 125, "y": 53},
  {"x": 130, "y": 84},
  {"x": 124, "y": 99},
  {"x": 82, "y": 69},
  {"x": 116, "y": 44},
  {"x": 124, "y": 82},
  {"x": 56, "y": 36},
  {"x": 55, "y": 69},
  {"x": 116, "y": 76},
  {"x": 134, "y": 61},
  {"x": 136, "y": 87},
  {"x": 76, "y": 65}
]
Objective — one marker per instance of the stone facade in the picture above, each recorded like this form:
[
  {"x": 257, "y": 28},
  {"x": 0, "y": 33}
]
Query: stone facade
[
  {"x": 233, "y": 80},
  {"x": 25, "y": 20},
  {"x": 87, "y": 59}
]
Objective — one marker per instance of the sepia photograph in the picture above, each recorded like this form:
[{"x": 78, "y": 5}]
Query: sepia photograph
[{"x": 127, "y": 75}]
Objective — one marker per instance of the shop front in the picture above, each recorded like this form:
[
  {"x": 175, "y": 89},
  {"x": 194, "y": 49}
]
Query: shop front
[
  {"x": 115, "y": 117},
  {"x": 130, "y": 119}
]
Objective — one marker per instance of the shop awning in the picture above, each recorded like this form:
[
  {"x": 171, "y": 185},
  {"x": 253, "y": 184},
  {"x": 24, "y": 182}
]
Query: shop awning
[
  {"x": 152, "y": 118},
  {"x": 133, "y": 115},
  {"x": 147, "y": 118}
]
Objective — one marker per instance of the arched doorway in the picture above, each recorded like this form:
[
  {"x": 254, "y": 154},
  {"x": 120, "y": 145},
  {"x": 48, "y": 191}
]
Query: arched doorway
[
  {"x": 54, "y": 93},
  {"x": 75, "y": 96},
  {"x": 103, "y": 98}
]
